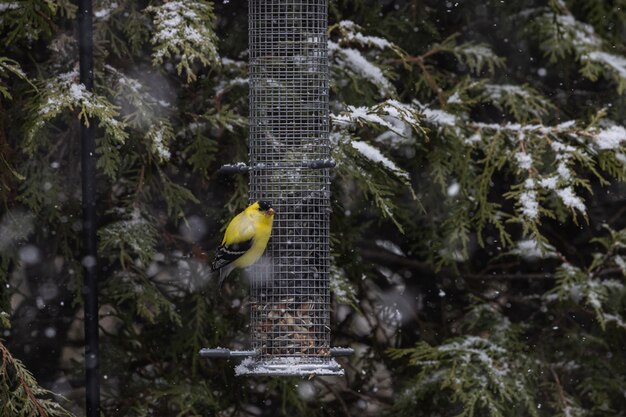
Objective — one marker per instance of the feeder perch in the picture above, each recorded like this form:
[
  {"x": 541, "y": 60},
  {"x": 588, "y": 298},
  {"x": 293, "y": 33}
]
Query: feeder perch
[{"x": 290, "y": 167}]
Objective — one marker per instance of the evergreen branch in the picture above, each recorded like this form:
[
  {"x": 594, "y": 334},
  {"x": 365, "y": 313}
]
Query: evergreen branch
[
  {"x": 185, "y": 30},
  {"x": 431, "y": 82},
  {"x": 63, "y": 94},
  {"x": 175, "y": 196},
  {"x": 26, "y": 400},
  {"x": 11, "y": 66},
  {"x": 31, "y": 20}
]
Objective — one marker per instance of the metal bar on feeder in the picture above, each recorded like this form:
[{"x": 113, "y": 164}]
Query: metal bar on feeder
[{"x": 289, "y": 132}]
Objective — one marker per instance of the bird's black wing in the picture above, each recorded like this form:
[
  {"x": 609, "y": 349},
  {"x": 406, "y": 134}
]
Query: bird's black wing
[{"x": 226, "y": 254}]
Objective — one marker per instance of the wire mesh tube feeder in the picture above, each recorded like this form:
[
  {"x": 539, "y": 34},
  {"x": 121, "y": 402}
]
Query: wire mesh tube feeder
[{"x": 290, "y": 167}]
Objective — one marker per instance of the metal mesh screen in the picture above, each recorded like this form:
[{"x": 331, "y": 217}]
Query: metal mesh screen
[{"x": 290, "y": 299}]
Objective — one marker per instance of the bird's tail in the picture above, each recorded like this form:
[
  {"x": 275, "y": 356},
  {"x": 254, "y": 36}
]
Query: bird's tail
[{"x": 224, "y": 273}]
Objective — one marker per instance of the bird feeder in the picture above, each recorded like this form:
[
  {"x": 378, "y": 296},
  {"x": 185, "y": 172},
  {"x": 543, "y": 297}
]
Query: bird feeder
[{"x": 290, "y": 167}]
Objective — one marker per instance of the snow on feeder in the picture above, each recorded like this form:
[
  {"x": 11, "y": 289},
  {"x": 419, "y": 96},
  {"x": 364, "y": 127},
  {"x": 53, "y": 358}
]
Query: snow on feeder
[{"x": 289, "y": 166}]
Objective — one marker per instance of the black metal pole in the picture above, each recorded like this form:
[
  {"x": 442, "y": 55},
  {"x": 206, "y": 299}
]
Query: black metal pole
[{"x": 89, "y": 260}]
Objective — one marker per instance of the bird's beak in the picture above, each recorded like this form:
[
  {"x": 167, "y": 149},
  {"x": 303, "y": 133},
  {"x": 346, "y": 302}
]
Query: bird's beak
[{"x": 270, "y": 212}]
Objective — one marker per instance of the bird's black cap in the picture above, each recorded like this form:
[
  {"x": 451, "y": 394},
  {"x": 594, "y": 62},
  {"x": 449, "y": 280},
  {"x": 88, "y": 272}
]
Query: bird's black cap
[{"x": 264, "y": 205}]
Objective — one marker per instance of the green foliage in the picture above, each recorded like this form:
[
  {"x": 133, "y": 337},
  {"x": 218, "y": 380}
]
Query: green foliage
[
  {"x": 5, "y": 320},
  {"x": 489, "y": 375},
  {"x": 121, "y": 26},
  {"x": 30, "y": 20},
  {"x": 524, "y": 102},
  {"x": 484, "y": 377},
  {"x": 203, "y": 148},
  {"x": 378, "y": 183},
  {"x": 176, "y": 196},
  {"x": 477, "y": 57},
  {"x": 354, "y": 64},
  {"x": 602, "y": 287},
  {"x": 342, "y": 289},
  {"x": 20, "y": 395},
  {"x": 8, "y": 67},
  {"x": 159, "y": 135},
  {"x": 184, "y": 29},
  {"x": 563, "y": 34},
  {"x": 193, "y": 396},
  {"x": 145, "y": 297},
  {"x": 129, "y": 239},
  {"x": 63, "y": 94}
]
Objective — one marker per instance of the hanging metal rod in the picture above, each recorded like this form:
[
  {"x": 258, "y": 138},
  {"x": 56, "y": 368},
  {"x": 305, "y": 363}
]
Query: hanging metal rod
[{"x": 90, "y": 256}]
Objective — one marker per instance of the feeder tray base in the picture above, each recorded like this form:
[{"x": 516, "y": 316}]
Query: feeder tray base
[{"x": 288, "y": 366}]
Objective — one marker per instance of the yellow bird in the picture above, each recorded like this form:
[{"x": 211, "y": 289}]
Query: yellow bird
[{"x": 245, "y": 239}]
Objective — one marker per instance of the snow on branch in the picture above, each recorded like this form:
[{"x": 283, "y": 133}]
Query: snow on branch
[
  {"x": 384, "y": 115},
  {"x": 379, "y": 115},
  {"x": 8, "y": 6},
  {"x": 610, "y": 138},
  {"x": 480, "y": 373},
  {"x": 568, "y": 35},
  {"x": 65, "y": 93},
  {"x": 532, "y": 250},
  {"x": 562, "y": 34},
  {"x": 159, "y": 136},
  {"x": 546, "y": 160},
  {"x": 184, "y": 31},
  {"x": 581, "y": 35},
  {"x": 593, "y": 137},
  {"x": 105, "y": 11},
  {"x": 437, "y": 116},
  {"x": 351, "y": 33},
  {"x": 611, "y": 65},
  {"x": 354, "y": 62},
  {"x": 341, "y": 287},
  {"x": 577, "y": 286},
  {"x": 8, "y": 67},
  {"x": 362, "y": 56},
  {"x": 134, "y": 236},
  {"x": 32, "y": 20},
  {"x": 387, "y": 113},
  {"x": 374, "y": 155},
  {"x": 62, "y": 94},
  {"x": 144, "y": 107},
  {"x": 478, "y": 57},
  {"x": 524, "y": 102}
]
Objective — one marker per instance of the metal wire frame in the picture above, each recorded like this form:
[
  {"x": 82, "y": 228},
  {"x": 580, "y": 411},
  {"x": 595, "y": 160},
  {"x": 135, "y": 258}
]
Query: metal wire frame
[{"x": 289, "y": 128}]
